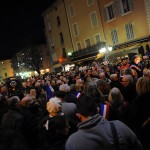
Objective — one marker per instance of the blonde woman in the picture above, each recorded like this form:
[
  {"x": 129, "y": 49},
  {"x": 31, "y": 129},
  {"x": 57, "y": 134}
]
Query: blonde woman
[{"x": 33, "y": 93}]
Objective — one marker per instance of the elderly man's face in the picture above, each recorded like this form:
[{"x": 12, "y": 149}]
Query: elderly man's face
[
  {"x": 102, "y": 76},
  {"x": 124, "y": 82}
]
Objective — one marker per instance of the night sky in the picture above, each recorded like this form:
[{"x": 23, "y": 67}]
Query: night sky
[{"x": 21, "y": 23}]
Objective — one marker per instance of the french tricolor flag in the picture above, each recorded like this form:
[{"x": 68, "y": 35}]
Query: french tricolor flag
[
  {"x": 78, "y": 94},
  {"x": 104, "y": 110}
]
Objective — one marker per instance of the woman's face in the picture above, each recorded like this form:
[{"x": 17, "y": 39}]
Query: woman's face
[{"x": 137, "y": 60}]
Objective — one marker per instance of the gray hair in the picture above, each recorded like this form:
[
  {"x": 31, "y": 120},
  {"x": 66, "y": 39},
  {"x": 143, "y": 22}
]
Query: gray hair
[
  {"x": 129, "y": 78},
  {"x": 64, "y": 87},
  {"x": 146, "y": 73},
  {"x": 115, "y": 97},
  {"x": 112, "y": 76}
]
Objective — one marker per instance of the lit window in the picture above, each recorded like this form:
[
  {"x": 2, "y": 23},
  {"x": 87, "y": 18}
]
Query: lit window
[
  {"x": 129, "y": 31},
  {"x": 114, "y": 36},
  {"x": 94, "y": 19}
]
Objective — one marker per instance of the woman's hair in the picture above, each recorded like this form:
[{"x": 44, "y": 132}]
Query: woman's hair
[
  {"x": 143, "y": 86},
  {"x": 79, "y": 87},
  {"x": 33, "y": 93},
  {"x": 72, "y": 87},
  {"x": 113, "y": 76},
  {"x": 146, "y": 73},
  {"x": 93, "y": 91},
  {"x": 103, "y": 86},
  {"x": 129, "y": 71},
  {"x": 115, "y": 98}
]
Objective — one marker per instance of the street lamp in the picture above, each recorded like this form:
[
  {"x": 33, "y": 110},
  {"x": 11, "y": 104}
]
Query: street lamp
[
  {"x": 109, "y": 48},
  {"x": 69, "y": 54},
  {"x": 106, "y": 51},
  {"x": 102, "y": 50}
]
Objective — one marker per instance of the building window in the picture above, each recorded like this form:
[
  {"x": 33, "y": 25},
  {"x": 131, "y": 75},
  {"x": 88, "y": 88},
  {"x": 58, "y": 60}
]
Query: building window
[
  {"x": 52, "y": 42},
  {"x": 58, "y": 21},
  {"x": 87, "y": 43},
  {"x": 114, "y": 36},
  {"x": 49, "y": 26},
  {"x": 64, "y": 53},
  {"x": 90, "y": 2},
  {"x": 126, "y": 6},
  {"x": 93, "y": 19},
  {"x": 61, "y": 37},
  {"x": 75, "y": 29},
  {"x": 110, "y": 11},
  {"x": 129, "y": 31},
  {"x": 54, "y": 56},
  {"x": 5, "y": 74},
  {"x": 97, "y": 38},
  {"x": 78, "y": 46},
  {"x": 71, "y": 10}
]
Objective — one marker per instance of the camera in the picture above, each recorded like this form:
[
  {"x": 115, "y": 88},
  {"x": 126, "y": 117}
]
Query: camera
[{"x": 14, "y": 86}]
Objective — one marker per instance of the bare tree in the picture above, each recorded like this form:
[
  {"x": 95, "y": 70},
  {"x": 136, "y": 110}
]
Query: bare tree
[{"x": 29, "y": 59}]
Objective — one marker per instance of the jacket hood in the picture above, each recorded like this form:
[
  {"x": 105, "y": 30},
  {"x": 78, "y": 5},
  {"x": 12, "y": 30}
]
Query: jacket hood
[{"x": 91, "y": 122}]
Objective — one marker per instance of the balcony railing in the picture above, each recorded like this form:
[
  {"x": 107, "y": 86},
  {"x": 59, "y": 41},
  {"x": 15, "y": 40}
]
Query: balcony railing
[{"x": 88, "y": 50}]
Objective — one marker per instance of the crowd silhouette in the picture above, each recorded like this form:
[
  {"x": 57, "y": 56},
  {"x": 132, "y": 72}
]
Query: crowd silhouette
[{"x": 92, "y": 107}]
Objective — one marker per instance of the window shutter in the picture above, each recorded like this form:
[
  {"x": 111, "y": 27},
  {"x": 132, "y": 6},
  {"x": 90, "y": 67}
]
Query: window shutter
[
  {"x": 105, "y": 14},
  {"x": 114, "y": 9},
  {"x": 118, "y": 8},
  {"x": 131, "y": 5}
]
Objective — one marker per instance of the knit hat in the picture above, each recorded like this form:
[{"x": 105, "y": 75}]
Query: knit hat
[{"x": 54, "y": 106}]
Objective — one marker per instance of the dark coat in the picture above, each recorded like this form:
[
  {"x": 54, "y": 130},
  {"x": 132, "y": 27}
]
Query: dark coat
[
  {"x": 116, "y": 84},
  {"x": 12, "y": 120},
  {"x": 129, "y": 92},
  {"x": 139, "y": 113},
  {"x": 119, "y": 113}
]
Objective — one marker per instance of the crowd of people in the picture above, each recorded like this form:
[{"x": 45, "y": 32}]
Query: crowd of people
[{"x": 91, "y": 107}]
